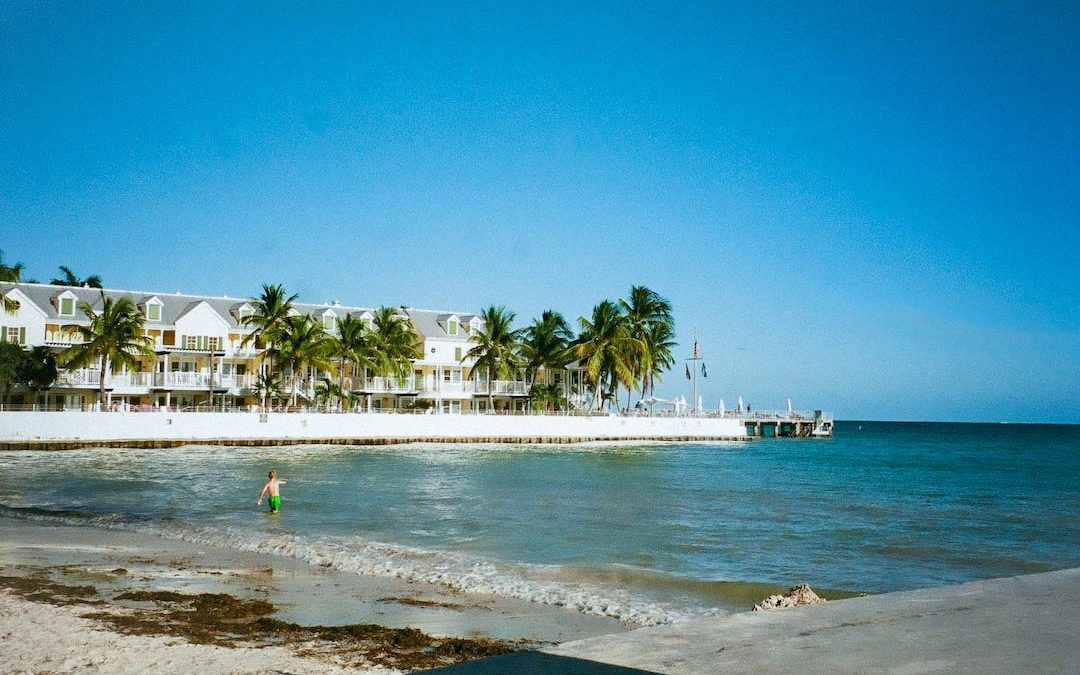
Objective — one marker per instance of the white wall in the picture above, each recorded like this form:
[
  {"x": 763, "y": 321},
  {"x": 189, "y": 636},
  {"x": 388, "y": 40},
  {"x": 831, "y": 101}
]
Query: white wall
[{"x": 103, "y": 426}]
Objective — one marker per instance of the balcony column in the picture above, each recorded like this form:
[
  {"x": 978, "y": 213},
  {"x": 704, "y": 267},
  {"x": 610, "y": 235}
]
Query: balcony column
[{"x": 438, "y": 390}]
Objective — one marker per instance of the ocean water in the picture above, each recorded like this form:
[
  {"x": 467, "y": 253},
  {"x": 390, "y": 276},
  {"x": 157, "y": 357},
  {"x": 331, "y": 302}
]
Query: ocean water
[{"x": 647, "y": 533}]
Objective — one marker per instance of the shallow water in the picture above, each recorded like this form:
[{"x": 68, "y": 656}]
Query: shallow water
[{"x": 648, "y": 533}]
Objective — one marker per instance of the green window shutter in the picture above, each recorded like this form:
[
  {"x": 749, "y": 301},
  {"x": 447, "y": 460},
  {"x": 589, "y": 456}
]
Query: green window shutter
[
  {"x": 457, "y": 353},
  {"x": 22, "y": 335}
]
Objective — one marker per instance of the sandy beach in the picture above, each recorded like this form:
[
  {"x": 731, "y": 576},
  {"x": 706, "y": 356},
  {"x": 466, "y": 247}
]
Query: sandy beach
[{"x": 81, "y": 599}]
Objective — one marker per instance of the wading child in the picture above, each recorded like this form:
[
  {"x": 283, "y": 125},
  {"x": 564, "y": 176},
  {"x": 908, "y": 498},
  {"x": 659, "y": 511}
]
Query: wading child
[{"x": 273, "y": 486}]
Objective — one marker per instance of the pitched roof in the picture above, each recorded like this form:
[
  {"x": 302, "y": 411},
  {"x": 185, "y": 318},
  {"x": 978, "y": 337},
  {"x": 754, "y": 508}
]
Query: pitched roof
[{"x": 429, "y": 323}]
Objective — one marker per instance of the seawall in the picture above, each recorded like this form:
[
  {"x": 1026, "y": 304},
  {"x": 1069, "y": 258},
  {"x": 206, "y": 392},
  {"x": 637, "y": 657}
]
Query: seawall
[{"x": 69, "y": 430}]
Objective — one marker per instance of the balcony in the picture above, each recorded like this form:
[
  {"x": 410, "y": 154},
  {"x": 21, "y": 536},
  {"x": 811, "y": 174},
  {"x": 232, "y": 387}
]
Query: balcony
[
  {"x": 502, "y": 388},
  {"x": 90, "y": 378},
  {"x": 179, "y": 380},
  {"x": 81, "y": 377}
]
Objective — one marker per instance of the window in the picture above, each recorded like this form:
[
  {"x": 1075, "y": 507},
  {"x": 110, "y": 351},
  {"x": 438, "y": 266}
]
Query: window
[
  {"x": 328, "y": 323},
  {"x": 452, "y": 326},
  {"x": 15, "y": 334},
  {"x": 457, "y": 354},
  {"x": 67, "y": 306},
  {"x": 202, "y": 342},
  {"x": 153, "y": 312}
]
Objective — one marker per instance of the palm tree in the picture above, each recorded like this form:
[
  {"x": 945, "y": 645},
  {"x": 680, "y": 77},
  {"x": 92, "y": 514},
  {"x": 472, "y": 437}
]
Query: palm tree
[
  {"x": 394, "y": 343},
  {"x": 12, "y": 357},
  {"x": 650, "y": 322},
  {"x": 545, "y": 396},
  {"x": 38, "y": 370},
  {"x": 352, "y": 346},
  {"x": 545, "y": 342},
  {"x": 496, "y": 348},
  {"x": 114, "y": 338},
  {"x": 268, "y": 387},
  {"x": 304, "y": 342},
  {"x": 606, "y": 349},
  {"x": 659, "y": 344},
  {"x": 13, "y": 274},
  {"x": 325, "y": 391},
  {"x": 70, "y": 279},
  {"x": 271, "y": 312}
]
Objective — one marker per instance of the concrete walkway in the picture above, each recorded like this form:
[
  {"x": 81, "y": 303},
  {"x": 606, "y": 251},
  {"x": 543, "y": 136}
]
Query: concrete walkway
[{"x": 1027, "y": 624}]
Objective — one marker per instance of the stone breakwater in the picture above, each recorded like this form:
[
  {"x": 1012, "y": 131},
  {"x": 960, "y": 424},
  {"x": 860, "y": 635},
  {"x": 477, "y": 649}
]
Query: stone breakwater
[{"x": 69, "y": 430}]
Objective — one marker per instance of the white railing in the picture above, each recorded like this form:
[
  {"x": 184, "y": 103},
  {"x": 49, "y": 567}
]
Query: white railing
[
  {"x": 396, "y": 385},
  {"x": 510, "y": 387},
  {"x": 91, "y": 377},
  {"x": 452, "y": 388},
  {"x": 130, "y": 380},
  {"x": 183, "y": 380},
  {"x": 79, "y": 377}
]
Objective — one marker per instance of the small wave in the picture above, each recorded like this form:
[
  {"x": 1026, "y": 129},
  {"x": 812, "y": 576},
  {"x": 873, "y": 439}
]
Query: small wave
[{"x": 544, "y": 584}]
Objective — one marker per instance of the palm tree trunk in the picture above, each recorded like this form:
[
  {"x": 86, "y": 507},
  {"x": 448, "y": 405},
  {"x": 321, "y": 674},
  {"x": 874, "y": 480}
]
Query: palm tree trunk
[
  {"x": 295, "y": 386},
  {"x": 101, "y": 382},
  {"x": 341, "y": 385}
]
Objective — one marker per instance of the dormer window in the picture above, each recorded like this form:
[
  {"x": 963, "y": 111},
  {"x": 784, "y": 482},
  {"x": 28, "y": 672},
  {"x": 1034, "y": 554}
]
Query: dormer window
[
  {"x": 452, "y": 327},
  {"x": 329, "y": 322},
  {"x": 475, "y": 324},
  {"x": 65, "y": 305},
  {"x": 151, "y": 308}
]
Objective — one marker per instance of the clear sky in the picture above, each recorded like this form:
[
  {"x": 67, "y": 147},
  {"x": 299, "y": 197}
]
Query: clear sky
[{"x": 869, "y": 207}]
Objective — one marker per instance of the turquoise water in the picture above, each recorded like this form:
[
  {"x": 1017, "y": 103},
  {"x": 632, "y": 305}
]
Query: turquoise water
[{"x": 647, "y": 533}]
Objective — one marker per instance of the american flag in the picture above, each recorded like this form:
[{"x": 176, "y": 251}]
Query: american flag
[{"x": 697, "y": 352}]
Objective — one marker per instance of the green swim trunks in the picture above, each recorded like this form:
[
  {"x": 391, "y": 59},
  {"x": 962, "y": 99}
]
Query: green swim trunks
[{"x": 275, "y": 503}]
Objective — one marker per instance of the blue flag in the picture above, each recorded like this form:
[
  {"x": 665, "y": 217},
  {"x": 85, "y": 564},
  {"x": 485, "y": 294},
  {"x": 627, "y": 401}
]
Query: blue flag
[
  {"x": 704, "y": 373},
  {"x": 688, "y": 371}
]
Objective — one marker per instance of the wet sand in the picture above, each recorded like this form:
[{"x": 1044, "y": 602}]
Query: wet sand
[{"x": 141, "y": 575}]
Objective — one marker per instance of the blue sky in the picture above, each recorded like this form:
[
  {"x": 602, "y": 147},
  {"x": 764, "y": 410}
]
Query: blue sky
[{"x": 867, "y": 207}]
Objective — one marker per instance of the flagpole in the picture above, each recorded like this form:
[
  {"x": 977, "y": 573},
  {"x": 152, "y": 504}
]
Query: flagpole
[
  {"x": 695, "y": 357},
  {"x": 695, "y": 370}
]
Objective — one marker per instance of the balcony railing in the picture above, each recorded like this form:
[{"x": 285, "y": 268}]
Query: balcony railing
[
  {"x": 80, "y": 377},
  {"x": 91, "y": 377},
  {"x": 502, "y": 387}
]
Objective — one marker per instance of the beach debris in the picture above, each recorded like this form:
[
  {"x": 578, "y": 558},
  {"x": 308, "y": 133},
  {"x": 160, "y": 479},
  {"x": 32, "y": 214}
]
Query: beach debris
[
  {"x": 796, "y": 596},
  {"x": 228, "y": 621}
]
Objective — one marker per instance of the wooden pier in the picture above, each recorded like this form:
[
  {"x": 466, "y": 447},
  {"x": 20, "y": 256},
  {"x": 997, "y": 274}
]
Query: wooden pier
[{"x": 788, "y": 424}]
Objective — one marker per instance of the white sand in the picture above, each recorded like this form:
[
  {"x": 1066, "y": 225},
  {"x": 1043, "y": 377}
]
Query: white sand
[{"x": 41, "y": 638}]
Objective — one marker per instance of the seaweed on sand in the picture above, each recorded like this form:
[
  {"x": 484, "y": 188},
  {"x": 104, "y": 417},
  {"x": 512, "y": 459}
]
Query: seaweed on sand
[{"x": 225, "y": 620}]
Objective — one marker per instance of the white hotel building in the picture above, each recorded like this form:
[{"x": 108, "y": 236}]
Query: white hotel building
[{"x": 200, "y": 356}]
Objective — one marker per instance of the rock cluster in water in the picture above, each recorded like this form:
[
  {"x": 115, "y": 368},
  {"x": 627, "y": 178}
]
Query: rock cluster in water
[{"x": 799, "y": 595}]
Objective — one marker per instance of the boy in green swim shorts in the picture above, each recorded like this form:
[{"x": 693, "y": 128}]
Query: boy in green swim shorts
[{"x": 273, "y": 486}]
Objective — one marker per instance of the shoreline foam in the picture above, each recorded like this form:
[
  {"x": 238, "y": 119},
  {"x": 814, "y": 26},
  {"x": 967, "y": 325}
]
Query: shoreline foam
[
  {"x": 456, "y": 573},
  {"x": 307, "y": 593}
]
